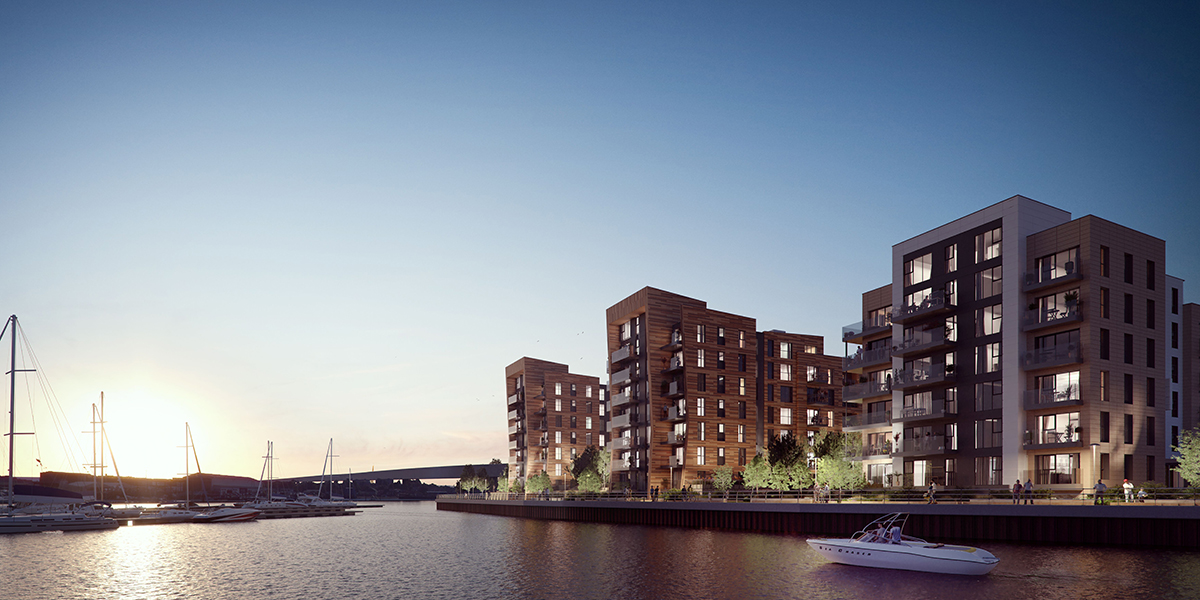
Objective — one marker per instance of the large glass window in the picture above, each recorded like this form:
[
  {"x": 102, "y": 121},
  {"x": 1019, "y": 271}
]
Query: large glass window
[
  {"x": 1059, "y": 428},
  {"x": 1057, "y": 469},
  {"x": 987, "y": 320},
  {"x": 988, "y": 283},
  {"x": 1059, "y": 386},
  {"x": 988, "y": 395},
  {"x": 1058, "y": 265},
  {"x": 989, "y": 470},
  {"x": 987, "y": 245},
  {"x": 951, "y": 258},
  {"x": 918, "y": 269},
  {"x": 988, "y": 433},
  {"x": 987, "y": 358}
]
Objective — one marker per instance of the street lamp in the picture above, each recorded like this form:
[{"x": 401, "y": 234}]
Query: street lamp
[{"x": 1095, "y": 461}]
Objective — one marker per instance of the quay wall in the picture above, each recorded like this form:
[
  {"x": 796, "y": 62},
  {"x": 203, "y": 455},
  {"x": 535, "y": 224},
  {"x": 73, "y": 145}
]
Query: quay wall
[{"x": 1157, "y": 526}]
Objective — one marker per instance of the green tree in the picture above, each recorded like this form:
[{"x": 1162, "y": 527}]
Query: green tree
[
  {"x": 502, "y": 482},
  {"x": 840, "y": 473},
  {"x": 481, "y": 480},
  {"x": 590, "y": 469},
  {"x": 538, "y": 483},
  {"x": 789, "y": 463},
  {"x": 517, "y": 486},
  {"x": 589, "y": 481},
  {"x": 1189, "y": 456},
  {"x": 722, "y": 479},
  {"x": 786, "y": 449},
  {"x": 757, "y": 474},
  {"x": 466, "y": 479},
  {"x": 603, "y": 465}
]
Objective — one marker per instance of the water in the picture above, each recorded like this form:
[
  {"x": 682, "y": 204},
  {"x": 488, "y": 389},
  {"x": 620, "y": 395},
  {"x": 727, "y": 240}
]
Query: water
[{"x": 411, "y": 550}]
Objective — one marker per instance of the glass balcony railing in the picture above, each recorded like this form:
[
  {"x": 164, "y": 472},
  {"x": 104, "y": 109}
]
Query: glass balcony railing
[
  {"x": 933, "y": 409},
  {"x": 933, "y": 304},
  {"x": 1069, "y": 396},
  {"x": 865, "y": 390},
  {"x": 869, "y": 327},
  {"x": 922, "y": 341},
  {"x": 1039, "y": 318},
  {"x": 922, "y": 376},
  {"x": 871, "y": 419},
  {"x": 1054, "y": 356},
  {"x": 1050, "y": 277}
]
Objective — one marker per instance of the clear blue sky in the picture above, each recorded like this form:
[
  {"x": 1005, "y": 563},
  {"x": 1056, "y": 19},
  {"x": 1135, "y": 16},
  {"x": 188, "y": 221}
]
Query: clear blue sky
[{"x": 302, "y": 221}]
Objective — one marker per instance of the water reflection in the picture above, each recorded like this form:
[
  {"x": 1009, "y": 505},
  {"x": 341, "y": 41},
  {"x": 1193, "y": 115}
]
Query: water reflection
[{"x": 414, "y": 551}]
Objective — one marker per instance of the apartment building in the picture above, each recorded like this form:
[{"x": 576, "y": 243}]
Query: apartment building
[
  {"x": 695, "y": 388},
  {"x": 553, "y": 415},
  {"x": 1017, "y": 342}
]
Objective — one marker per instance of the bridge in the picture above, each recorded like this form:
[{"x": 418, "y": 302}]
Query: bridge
[{"x": 446, "y": 472}]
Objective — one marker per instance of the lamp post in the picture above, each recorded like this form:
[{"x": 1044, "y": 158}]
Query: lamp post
[{"x": 1095, "y": 461}]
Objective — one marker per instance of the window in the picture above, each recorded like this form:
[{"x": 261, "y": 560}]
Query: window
[
  {"x": 770, "y": 393},
  {"x": 988, "y": 433},
  {"x": 1150, "y": 468},
  {"x": 785, "y": 350},
  {"x": 699, "y": 407},
  {"x": 951, "y": 291},
  {"x": 989, "y": 470},
  {"x": 1104, "y": 344},
  {"x": 573, "y": 440},
  {"x": 1128, "y": 268},
  {"x": 741, "y": 409},
  {"x": 588, "y": 408},
  {"x": 741, "y": 386},
  {"x": 1057, "y": 469},
  {"x": 785, "y": 393},
  {"x": 1149, "y": 274},
  {"x": 742, "y": 457},
  {"x": 701, "y": 382},
  {"x": 720, "y": 384},
  {"x": 700, "y": 334},
  {"x": 1128, "y": 466},
  {"x": 720, "y": 336},
  {"x": 558, "y": 466},
  {"x": 700, "y": 455},
  {"x": 1057, "y": 265},
  {"x": 742, "y": 363},
  {"x": 720, "y": 432},
  {"x": 770, "y": 414},
  {"x": 720, "y": 360},
  {"x": 721, "y": 407},
  {"x": 587, "y": 423},
  {"x": 1128, "y": 429},
  {"x": 918, "y": 270},
  {"x": 987, "y": 320},
  {"x": 1104, "y": 261},
  {"x": 987, "y": 245},
  {"x": 720, "y": 456},
  {"x": 988, "y": 395},
  {"x": 785, "y": 372},
  {"x": 1151, "y": 392},
  {"x": 742, "y": 433},
  {"x": 1174, "y": 301},
  {"x": 603, "y": 408},
  {"x": 700, "y": 358},
  {"x": 574, "y": 405},
  {"x": 558, "y": 404},
  {"x": 1129, "y": 348},
  {"x": 785, "y": 416},
  {"x": 1174, "y": 369},
  {"x": 741, "y": 339},
  {"x": 1104, "y": 386},
  {"x": 701, "y": 431},
  {"x": 558, "y": 437},
  {"x": 1103, "y": 426},
  {"x": 771, "y": 348},
  {"x": 1128, "y": 389},
  {"x": 587, "y": 392},
  {"x": 1149, "y": 314},
  {"x": 987, "y": 358},
  {"x": 574, "y": 421},
  {"x": 1062, "y": 386},
  {"x": 1175, "y": 335},
  {"x": 1150, "y": 431},
  {"x": 1129, "y": 308},
  {"x": 1175, "y": 404},
  {"x": 988, "y": 283},
  {"x": 558, "y": 390},
  {"x": 951, "y": 258},
  {"x": 1104, "y": 303},
  {"x": 558, "y": 420},
  {"x": 573, "y": 392},
  {"x": 1150, "y": 352},
  {"x": 1057, "y": 428}
]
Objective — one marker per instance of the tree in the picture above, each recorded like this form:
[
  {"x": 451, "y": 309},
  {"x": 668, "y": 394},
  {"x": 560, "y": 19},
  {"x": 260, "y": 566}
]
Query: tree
[
  {"x": 589, "y": 481},
  {"x": 722, "y": 479},
  {"x": 481, "y": 480},
  {"x": 502, "y": 483},
  {"x": 466, "y": 480},
  {"x": 785, "y": 450},
  {"x": 789, "y": 463},
  {"x": 839, "y": 473},
  {"x": 1189, "y": 456},
  {"x": 538, "y": 483},
  {"x": 757, "y": 474},
  {"x": 590, "y": 469}
]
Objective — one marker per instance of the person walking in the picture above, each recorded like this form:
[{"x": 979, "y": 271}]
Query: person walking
[
  {"x": 1098, "y": 491},
  {"x": 931, "y": 491},
  {"x": 1128, "y": 490},
  {"x": 1016, "y": 490},
  {"x": 1028, "y": 491}
]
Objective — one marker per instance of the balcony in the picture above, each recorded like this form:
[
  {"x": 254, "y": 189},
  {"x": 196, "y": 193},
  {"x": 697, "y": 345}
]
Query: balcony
[
  {"x": 513, "y": 415},
  {"x": 933, "y": 305},
  {"x": 622, "y": 377},
  {"x": 515, "y": 444},
  {"x": 541, "y": 411},
  {"x": 1038, "y": 319},
  {"x": 622, "y": 354},
  {"x": 675, "y": 439},
  {"x": 867, "y": 421},
  {"x": 674, "y": 414},
  {"x": 673, "y": 462},
  {"x": 674, "y": 366},
  {"x": 933, "y": 444},
  {"x": 869, "y": 389},
  {"x": 1054, "y": 439},
  {"x": 876, "y": 451},
  {"x": 624, "y": 421},
  {"x": 1036, "y": 281},
  {"x": 544, "y": 441},
  {"x": 515, "y": 398},
  {"x": 862, "y": 330},
  {"x": 1056, "y": 477},
  {"x": 675, "y": 389},
  {"x": 621, "y": 443},
  {"x": 922, "y": 342},
  {"x": 620, "y": 466},
  {"x": 515, "y": 429},
  {"x": 824, "y": 397},
  {"x": 866, "y": 358},
  {"x": 924, "y": 411},
  {"x": 908, "y": 379},
  {"x": 623, "y": 398},
  {"x": 1037, "y": 399},
  {"x": 1054, "y": 356},
  {"x": 819, "y": 420},
  {"x": 676, "y": 342}
]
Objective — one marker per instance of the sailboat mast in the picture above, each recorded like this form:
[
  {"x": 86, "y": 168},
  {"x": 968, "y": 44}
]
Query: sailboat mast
[
  {"x": 101, "y": 496},
  {"x": 12, "y": 403}
]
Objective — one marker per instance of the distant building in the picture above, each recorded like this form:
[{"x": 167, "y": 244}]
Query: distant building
[
  {"x": 553, "y": 415},
  {"x": 694, "y": 389},
  {"x": 1019, "y": 343}
]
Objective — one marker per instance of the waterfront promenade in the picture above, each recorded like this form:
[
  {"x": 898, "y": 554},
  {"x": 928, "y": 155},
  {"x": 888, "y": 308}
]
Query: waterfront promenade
[{"x": 1166, "y": 523}]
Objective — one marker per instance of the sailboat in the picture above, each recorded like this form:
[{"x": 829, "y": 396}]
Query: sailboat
[
  {"x": 276, "y": 507},
  {"x": 98, "y": 505},
  {"x": 14, "y": 519},
  {"x": 216, "y": 514},
  {"x": 332, "y": 501}
]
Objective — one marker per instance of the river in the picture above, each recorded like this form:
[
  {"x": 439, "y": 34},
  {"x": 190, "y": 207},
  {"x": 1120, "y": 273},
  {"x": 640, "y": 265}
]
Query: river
[{"x": 411, "y": 550}]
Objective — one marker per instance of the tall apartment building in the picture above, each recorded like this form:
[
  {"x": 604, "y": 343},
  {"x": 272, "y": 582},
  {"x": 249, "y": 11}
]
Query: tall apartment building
[
  {"x": 695, "y": 388},
  {"x": 1013, "y": 343},
  {"x": 553, "y": 415}
]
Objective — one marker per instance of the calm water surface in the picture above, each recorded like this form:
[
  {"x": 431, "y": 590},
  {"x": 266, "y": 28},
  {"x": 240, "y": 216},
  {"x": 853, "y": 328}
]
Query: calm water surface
[{"x": 411, "y": 550}]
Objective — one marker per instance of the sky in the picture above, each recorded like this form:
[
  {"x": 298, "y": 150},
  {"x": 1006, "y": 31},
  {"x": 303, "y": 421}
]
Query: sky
[{"x": 299, "y": 222}]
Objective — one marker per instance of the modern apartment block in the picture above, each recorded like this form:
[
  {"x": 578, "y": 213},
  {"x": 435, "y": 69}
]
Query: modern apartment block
[
  {"x": 1017, "y": 342},
  {"x": 553, "y": 415},
  {"x": 694, "y": 389}
]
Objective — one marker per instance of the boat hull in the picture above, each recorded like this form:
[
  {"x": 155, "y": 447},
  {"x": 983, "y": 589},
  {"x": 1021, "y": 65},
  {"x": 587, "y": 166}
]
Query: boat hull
[
  {"x": 54, "y": 522},
  {"x": 227, "y": 515},
  {"x": 929, "y": 558}
]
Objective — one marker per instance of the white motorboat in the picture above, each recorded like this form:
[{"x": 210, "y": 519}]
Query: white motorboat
[
  {"x": 226, "y": 514},
  {"x": 882, "y": 544},
  {"x": 164, "y": 513}
]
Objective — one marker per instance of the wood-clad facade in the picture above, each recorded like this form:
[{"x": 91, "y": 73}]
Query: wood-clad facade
[
  {"x": 553, "y": 415},
  {"x": 687, "y": 395}
]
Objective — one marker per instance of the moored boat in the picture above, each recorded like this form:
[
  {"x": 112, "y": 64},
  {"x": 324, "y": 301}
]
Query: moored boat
[
  {"x": 882, "y": 544},
  {"x": 226, "y": 514}
]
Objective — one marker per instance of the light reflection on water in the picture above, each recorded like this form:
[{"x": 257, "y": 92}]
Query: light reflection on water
[{"x": 411, "y": 550}]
